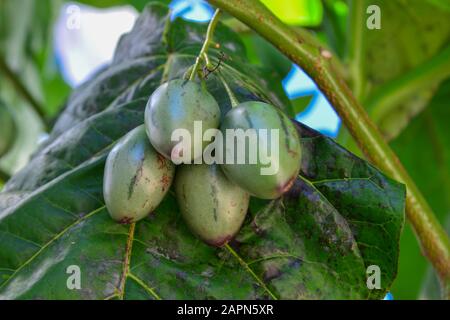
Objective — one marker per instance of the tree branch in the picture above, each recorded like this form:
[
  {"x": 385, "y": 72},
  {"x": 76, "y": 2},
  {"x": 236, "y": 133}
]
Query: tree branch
[{"x": 318, "y": 64}]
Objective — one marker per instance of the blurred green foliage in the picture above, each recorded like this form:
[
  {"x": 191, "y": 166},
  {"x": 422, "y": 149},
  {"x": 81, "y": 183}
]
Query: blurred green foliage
[
  {"x": 424, "y": 148},
  {"x": 297, "y": 12},
  {"x": 27, "y": 60}
]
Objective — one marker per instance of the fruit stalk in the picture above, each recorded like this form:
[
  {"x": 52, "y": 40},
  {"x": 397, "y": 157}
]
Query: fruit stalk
[
  {"x": 203, "y": 51},
  {"x": 319, "y": 65}
]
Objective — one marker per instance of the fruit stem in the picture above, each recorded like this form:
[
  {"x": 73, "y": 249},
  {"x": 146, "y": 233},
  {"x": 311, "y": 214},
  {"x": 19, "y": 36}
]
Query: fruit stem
[
  {"x": 209, "y": 34},
  {"x": 320, "y": 65},
  {"x": 207, "y": 61}
]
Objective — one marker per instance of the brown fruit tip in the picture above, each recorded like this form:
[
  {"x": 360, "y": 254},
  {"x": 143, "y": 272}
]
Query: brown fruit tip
[
  {"x": 126, "y": 220},
  {"x": 220, "y": 242},
  {"x": 285, "y": 187}
]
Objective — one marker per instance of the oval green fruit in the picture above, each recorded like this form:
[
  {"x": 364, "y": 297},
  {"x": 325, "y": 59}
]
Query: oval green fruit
[
  {"x": 269, "y": 168},
  {"x": 176, "y": 105},
  {"x": 136, "y": 178},
  {"x": 7, "y": 129},
  {"x": 213, "y": 207}
]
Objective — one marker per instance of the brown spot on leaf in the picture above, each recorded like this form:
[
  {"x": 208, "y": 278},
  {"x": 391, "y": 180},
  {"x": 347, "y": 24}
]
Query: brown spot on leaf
[
  {"x": 272, "y": 272},
  {"x": 257, "y": 229}
]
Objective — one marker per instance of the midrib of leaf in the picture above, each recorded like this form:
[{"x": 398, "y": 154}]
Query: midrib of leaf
[
  {"x": 56, "y": 237},
  {"x": 250, "y": 271},
  {"x": 127, "y": 260},
  {"x": 144, "y": 286}
]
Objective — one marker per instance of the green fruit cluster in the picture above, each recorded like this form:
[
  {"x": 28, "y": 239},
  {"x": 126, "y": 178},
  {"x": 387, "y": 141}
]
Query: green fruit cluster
[{"x": 213, "y": 199}]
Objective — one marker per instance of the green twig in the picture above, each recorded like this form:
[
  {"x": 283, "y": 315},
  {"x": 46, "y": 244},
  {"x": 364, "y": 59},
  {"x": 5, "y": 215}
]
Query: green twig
[
  {"x": 319, "y": 65},
  {"x": 20, "y": 87},
  {"x": 209, "y": 35}
]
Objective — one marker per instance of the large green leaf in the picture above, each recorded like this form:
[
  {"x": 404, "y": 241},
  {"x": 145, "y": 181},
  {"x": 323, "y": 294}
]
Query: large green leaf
[{"x": 341, "y": 215}]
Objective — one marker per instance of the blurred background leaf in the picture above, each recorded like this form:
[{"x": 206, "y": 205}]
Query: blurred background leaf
[
  {"x": 442, "y": 4},
  {"x": 424, "y": 149},
  {"x": 334, "y": 25},
  {"x": 430, "y": 289},
  {"x": 138, "y": 4},
  {"x": 26, "y": 45},
  {"x": 297, "y": 12},
  {"x": 8, "y": 128},
  {"x": 385, "y": 63},
  {"x": 32, "y": 86}
]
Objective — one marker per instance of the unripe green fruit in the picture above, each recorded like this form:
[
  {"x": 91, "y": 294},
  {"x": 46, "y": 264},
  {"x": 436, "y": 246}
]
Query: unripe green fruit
[
  {"x": 7, "y": 129},
  {"x": 259, "y": 115},
  {"x": 176, "y": 105},
  {"x": 136, "y": 178},
  {"x": 213, "y": 207}
]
